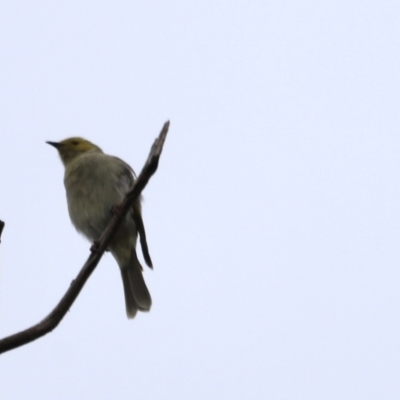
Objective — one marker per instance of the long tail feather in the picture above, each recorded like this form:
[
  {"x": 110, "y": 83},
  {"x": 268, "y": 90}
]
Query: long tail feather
[
  {"x": 130, "y": 302},
  {"x": 138, "y": 285},
  {"x": 137, "y": 217}
]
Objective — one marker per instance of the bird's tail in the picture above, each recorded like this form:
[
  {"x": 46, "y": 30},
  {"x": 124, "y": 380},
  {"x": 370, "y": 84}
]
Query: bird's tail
[{"x": 137, "y": 296}]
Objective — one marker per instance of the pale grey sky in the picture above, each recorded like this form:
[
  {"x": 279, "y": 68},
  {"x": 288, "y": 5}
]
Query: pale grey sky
[{"x": 273, "y": 221}]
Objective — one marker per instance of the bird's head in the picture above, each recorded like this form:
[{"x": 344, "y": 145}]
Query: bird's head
[{"x": 71, "y": 148}]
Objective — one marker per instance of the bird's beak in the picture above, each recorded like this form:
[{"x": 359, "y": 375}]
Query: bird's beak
[{"x": 54, "y": 144}]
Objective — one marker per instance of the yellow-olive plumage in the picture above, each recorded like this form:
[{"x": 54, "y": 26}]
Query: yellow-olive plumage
[{"x": 96, "y": 182}]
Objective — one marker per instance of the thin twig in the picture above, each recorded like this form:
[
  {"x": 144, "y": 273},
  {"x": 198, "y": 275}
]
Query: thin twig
[
  {"x": 2, "y": 224},
  {"x": 55, "y": 316}
]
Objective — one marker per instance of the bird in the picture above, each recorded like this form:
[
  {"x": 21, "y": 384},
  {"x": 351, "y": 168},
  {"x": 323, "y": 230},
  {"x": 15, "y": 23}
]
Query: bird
[{"x": 95, "y": 183}]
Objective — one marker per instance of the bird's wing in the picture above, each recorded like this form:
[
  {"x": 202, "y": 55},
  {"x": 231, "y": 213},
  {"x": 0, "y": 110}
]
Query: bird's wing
[{"x": 128, "y": 177}]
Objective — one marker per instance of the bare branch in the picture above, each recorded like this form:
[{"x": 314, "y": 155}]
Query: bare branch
[
  {"x": 55, "y": 316},
  {"x": 2, "y": 224}
]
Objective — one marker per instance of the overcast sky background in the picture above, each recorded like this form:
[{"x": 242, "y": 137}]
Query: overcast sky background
[{"x": 273, "y": 220}]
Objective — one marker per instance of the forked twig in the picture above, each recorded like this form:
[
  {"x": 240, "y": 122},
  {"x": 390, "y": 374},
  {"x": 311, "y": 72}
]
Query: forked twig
[{"x": 55, "y": 316}]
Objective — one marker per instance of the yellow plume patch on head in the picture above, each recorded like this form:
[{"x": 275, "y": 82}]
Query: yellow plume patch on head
[{"x": 71, "y": 148}]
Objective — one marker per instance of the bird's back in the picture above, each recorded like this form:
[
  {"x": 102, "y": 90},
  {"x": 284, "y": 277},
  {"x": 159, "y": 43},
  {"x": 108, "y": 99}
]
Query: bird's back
[{"x": 106, "y": 183}]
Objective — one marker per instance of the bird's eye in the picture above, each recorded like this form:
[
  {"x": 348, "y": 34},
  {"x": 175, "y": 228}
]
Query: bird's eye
[{"x": 75, "y": 143}]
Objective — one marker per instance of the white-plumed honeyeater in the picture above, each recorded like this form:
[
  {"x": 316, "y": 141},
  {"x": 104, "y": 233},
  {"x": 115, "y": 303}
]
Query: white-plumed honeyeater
[{"x": 96, "y": 182}]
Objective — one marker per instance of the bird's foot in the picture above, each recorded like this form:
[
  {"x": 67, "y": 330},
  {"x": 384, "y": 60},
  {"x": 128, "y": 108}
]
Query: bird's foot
[
  {"x": 116, "y": 209},
  {"x": 95, "y": 247}
]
